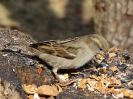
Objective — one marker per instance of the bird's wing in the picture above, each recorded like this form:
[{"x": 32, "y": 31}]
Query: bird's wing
[{"x": 67, "y": 49}]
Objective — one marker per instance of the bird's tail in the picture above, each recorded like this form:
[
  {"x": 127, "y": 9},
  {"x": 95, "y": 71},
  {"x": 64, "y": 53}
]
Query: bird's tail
[{"x": 32, "y": 50}]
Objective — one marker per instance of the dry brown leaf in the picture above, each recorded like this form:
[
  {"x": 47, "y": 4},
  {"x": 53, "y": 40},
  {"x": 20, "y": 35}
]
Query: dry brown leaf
[
  {"x": 91, "y": 82},
  {"x": 103, "y": 89},
  {"x": 95, "y": 77},
  {"x": 116, "y": 93},
  {"x": 122, "y": 59},
  {"x": 90, "y": 89},
  {"x": 114, "y": 82},
  {"x": 126, "y": 92},
  {"x": 117, "y": 75},
  {"x": 57, "y": 87},
  {"x": 131, "y": 94},
  {"x": 29, "y": 89},
  {"x": 48, "y": 90},
  {"x": 113, "y": 49},
  {"x": 99, "y": 84},
  {"x": 81, "y": 83},
  {"x": 111, "y": 55},
  {"x": 114, "y": 68},
  {"x": 67, "y": 83}
]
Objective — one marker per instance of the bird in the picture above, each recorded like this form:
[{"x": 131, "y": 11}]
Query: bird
[{"x": 70, "y": 53}]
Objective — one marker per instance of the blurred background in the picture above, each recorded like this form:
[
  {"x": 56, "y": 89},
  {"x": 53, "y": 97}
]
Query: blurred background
[{"x": 61, "y": 19}]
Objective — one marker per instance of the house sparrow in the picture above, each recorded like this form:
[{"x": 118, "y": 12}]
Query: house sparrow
[{"x": 69, "y": 53}]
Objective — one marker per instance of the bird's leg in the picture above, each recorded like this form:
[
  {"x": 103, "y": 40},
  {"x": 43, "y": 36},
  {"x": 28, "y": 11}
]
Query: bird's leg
[{"x": 56, "y": 75}]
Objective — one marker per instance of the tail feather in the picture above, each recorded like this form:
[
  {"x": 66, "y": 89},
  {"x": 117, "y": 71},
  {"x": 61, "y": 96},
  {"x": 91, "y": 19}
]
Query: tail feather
[{"x": 32, "y": 50}]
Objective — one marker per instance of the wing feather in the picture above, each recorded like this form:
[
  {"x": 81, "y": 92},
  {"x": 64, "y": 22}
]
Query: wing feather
[{"x": 66, "y": 49}]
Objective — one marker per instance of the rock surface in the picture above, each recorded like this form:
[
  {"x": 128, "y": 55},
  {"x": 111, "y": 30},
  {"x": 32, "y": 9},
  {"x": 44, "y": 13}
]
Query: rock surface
[{"x": 16, "y": 68}]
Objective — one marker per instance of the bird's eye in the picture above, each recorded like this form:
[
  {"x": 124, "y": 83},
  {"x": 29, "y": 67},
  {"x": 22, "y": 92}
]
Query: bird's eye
[{"x": 101, "y": 49}]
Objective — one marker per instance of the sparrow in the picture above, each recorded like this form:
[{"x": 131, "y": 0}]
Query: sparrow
[{"x": 70, "y": 53}]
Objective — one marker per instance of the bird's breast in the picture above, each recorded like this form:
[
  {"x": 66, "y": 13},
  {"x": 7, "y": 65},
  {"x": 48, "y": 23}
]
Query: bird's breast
[
  {"x": 83, "y": 59},
  {"x": 63, "y": 63}
]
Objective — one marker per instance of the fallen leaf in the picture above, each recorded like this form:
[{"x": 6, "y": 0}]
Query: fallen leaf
[
  {"x": 29, "y": 89},
  {"x": 47, "y": 90},
  {"x": 113, "y": 49},
  {"x": 116, "y": 93},
  {"x": 131, "y": 94},
  {"x": 81, "y": 83},
  {"x": 126, "y": 92},
  {"x": 111, "y": 55},
  {"x": 95, "y": 77},
  {"x": 91, "y": 82},
  {"x": 103, "y": 89},
  {"x": 67, "y": 83},
  {"x": 114, "y": 68}
]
